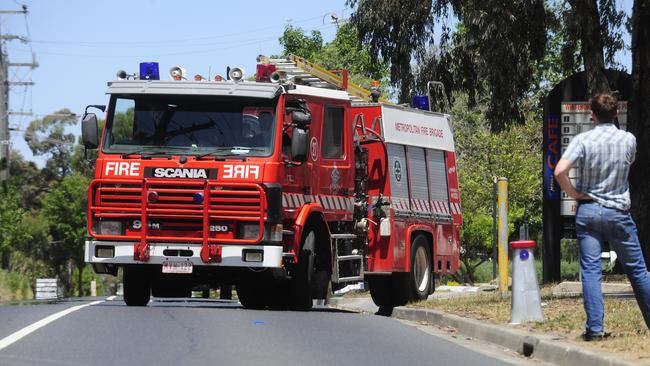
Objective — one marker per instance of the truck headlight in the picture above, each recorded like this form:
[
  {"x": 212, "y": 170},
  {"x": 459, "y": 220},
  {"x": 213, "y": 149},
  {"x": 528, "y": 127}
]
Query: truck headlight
[
  {"x": 248, "y": 231},
  {"x": 106, "y": 227}
]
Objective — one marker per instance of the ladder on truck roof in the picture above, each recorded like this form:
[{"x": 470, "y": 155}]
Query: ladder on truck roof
[{"x": 303, "y": 72}]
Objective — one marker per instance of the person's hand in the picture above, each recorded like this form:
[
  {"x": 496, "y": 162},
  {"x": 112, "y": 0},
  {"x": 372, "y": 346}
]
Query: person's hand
[{"x": 583, "y": 197}]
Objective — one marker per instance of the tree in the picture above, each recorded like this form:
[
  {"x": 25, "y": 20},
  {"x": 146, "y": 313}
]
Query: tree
[
  {"x": 483, "y": 155},
  {"x": 494, "y": 51},
  {"x": 30, "y": 181},
  {"x": 65, "y": 209},
  {"x": 596, "y": 32},
  {"x": 639, "y": 120},
  {"x": 11, "y": 215},
  {"x": 343, "y": 52},
  {"x": 399, "y": 31},
  {"x": 47, "y": 136},
  {"x": 295, "y": 42}
]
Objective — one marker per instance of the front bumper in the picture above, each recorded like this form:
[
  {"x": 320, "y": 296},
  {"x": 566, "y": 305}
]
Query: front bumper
[{"x": 231, "y": 255}]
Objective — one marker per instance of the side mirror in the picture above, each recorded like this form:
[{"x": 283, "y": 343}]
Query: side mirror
[
  {"x": 299, "y": 145},
  {"x": 90, "y": 131},
  {"x": 301, "y": 118}
]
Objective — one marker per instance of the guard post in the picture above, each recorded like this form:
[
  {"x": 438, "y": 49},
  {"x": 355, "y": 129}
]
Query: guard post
[{"x": 502, "y": 223}]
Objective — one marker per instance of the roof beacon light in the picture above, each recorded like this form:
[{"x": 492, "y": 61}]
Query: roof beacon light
[
  {"x": 149, "y": 71},
  {"x": 264, "y": 72},
  {"x": 236, "y": 74},
  {"x": 420, "y": 102},
  {"x": 198, "y": 77}
]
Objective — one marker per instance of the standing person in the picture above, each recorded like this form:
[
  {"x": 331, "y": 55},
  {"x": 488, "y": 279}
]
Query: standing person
[{"x": 603, "y": 157}]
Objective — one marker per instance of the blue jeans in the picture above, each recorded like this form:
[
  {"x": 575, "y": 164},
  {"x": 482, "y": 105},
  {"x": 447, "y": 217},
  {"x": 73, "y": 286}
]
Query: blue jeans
[{"x": 596, "y": 224}]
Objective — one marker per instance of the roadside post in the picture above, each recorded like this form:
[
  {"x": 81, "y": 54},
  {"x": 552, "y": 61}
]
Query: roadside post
[
  {"x": 495, "y": 240},
  {"x": 502, "y": 223},
  {"x": 526, "y": 301}
]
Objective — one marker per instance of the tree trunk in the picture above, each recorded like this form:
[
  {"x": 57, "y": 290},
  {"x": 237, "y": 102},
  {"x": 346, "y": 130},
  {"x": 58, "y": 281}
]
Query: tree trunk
[
  {"x": 591, "y": 45},
  {"x": 80, "y": 285},
  {"x": 639, "y": 121}
]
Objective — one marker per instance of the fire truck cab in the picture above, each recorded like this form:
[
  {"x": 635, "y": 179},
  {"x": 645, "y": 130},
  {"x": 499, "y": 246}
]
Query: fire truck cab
[{"x": 282, "y": 187}]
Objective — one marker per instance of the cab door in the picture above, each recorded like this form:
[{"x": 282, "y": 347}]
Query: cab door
[{"x": 335, "y": 161}]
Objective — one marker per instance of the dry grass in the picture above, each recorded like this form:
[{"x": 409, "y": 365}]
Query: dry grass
[{"x": 565, "y": 318}]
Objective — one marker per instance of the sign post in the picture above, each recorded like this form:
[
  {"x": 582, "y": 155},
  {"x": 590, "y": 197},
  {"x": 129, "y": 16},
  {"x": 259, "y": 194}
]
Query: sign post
[{"x": 566, "y": 114}]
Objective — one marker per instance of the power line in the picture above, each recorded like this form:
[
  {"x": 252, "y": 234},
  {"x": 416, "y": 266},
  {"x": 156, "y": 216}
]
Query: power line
[
  {"x": 167, "y": 43},
  {"x": 198, "y": 52}
]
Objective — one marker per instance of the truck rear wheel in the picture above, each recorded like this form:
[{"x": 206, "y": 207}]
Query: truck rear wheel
[
  {"x": 420, "y": 277},
  {"x": 381, "y": 290},
  {"x": 137, "y": 285}
]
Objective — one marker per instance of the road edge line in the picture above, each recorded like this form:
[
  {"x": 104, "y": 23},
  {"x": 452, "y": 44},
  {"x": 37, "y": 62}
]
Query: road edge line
[{"x": 18, "y": 335}]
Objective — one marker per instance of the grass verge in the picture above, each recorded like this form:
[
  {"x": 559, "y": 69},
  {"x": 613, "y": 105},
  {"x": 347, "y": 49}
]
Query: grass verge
[
  {"x": 14, "y": 287},
  {"x": 564, "y": 317}
]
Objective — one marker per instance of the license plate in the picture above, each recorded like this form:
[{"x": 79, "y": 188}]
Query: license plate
[{"x": 177, "y": 267}]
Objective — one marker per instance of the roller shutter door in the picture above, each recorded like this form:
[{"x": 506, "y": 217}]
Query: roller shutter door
[
  {"x": 438, "y": 182},
  {"x": 418, "y": 179}
]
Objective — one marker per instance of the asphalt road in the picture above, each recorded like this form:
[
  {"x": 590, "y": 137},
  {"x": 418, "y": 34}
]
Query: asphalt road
[{"x": 196, "y": 332}]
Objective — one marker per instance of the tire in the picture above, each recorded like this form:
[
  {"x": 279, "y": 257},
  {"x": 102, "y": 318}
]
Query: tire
[
  {"x": 403, "y": 287},
  {"x": 225, "y": 292},
  {"x": 304, "y": 274},
  {"x": 251, "y": 293},
  {"x": 278, "y": 294},
  {"x": 381, "y": 290},
  {"x": 420, "y": 276},
  {"x": 137, "y": 285}
]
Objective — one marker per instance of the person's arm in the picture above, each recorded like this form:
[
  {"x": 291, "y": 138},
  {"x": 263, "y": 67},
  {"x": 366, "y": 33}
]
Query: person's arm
[{"x": 562, "y": 175}]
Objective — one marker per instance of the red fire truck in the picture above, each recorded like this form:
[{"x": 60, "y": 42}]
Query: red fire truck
[{"x": 284, "y": 187}]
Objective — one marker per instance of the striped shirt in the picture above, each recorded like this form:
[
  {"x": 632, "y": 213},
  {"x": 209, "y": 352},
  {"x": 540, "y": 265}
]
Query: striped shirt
[{"x": 602, "y": 157}]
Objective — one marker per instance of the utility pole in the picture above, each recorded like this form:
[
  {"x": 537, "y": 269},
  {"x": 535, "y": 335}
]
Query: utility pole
[{"x": 5, "y": 85}]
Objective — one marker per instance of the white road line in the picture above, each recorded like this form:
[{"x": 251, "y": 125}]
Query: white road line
[
  {"x": 111, "y": 298},
  {"x": 13, "y": 338}
]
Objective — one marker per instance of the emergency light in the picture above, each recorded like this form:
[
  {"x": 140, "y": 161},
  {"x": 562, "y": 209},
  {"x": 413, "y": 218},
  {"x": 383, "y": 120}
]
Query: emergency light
[
  {"x": 264, "y": 72},
  {"x": 420, "y": 102},
  {"x": 149, "y": 71}
]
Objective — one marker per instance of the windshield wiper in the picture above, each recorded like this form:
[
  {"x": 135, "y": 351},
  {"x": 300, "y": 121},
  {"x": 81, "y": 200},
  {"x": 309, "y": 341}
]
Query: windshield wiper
[
  {"x": 230, "y": 151},
  {"x": 147, "y": 151},
  {"x": 150, "y": 151}
]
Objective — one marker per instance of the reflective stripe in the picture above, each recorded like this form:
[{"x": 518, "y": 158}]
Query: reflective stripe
[{"x": 338, "y": 203}]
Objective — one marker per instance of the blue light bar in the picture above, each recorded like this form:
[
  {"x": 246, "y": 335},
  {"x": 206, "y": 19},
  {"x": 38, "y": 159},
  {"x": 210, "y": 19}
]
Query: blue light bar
[
  {"x": 149, "y": 71},
  {"x": 420, "y": 102}
]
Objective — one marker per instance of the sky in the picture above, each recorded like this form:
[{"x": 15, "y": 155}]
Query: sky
[{"x": 81, "y": 44}]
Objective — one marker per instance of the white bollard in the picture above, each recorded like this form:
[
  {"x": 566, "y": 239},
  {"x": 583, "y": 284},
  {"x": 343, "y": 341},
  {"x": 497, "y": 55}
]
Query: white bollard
[
  {"x": 526, "y": 300},
  {"x": 93, "y": 288}
]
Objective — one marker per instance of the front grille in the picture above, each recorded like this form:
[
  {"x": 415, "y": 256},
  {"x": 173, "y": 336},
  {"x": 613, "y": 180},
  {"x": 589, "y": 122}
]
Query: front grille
[
  {"x": 175, "y": 212},
  {"x": 230, "y": 202}
]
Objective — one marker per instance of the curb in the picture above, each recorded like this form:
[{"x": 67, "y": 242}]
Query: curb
[{"x": 542, "y": 347}]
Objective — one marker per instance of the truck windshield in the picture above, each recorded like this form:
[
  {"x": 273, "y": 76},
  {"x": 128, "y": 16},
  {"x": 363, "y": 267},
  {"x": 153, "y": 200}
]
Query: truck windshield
[{"x": 191, "y": 125}]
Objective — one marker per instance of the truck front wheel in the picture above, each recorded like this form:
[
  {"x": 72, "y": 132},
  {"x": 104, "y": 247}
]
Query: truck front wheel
[
  {"x": 251, "y": 292},
  {"x": 137, "y": 285},
  {"x": 303, "y": 275}
]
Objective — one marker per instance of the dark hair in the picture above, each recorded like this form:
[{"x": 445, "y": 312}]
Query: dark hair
[{"x": 604, "y": 106}]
